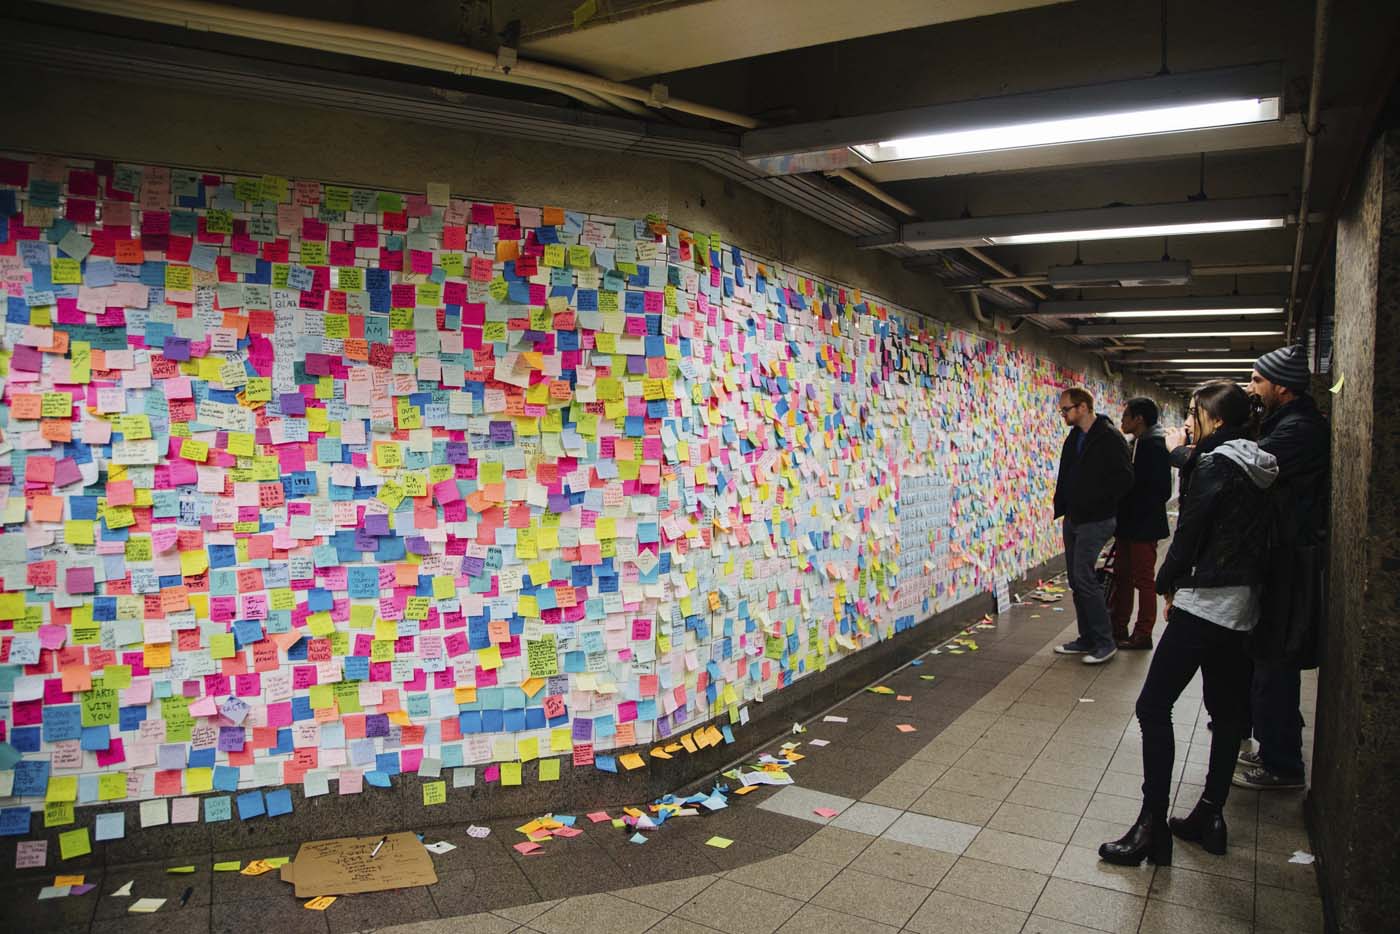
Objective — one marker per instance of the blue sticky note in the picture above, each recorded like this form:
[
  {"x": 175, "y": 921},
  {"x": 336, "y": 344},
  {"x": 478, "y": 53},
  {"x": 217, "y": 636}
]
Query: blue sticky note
[
  {"x": 279, "y": 802},
  {"x": 217, "y": 809},
  {"x": 250, "y": 804},
  {"x": 377, "y": 778},
  {"x": 605, "y": 763},
  {"x": 14, "y": 822},
  {"x": 111, "y": 826}
]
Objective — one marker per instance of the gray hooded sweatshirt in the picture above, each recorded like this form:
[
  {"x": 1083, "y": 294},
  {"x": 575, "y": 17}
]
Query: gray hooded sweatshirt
[{"x": 1233, "y": 607}]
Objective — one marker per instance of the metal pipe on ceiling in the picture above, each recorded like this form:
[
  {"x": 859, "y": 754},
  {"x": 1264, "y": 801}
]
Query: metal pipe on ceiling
[
  {"x": 873, "y": 190},
  {"x": 1255, "y": 269},
  {"x": 1320, "y": 26},
  {"x": 305, "y": 32}
]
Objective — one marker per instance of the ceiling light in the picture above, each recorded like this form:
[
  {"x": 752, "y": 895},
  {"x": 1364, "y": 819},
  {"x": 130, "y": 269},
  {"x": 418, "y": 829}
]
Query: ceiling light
[
  {"x": 1162, "y": 104},
  {"x": 1184, "y": 306},
  {"x": 1215, "y": 369},
  {"x": 1113, "y": 125},
  {"x": 1124, "y": 275},
  {"x": 1180, "y": 218},
  {"x": 1131, "y": 233},
  {"x": 1221, "y": 360},
  {"x": 1204, "y": 333},
  {"x": 1182, "y": 313}
]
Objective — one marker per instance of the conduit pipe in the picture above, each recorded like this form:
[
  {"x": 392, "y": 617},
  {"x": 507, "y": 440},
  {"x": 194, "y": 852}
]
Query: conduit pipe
[
  {"x": 387, "y": 45},
  {"x": 871, "y": 189},
  {"x": 1312, "y": 128}
]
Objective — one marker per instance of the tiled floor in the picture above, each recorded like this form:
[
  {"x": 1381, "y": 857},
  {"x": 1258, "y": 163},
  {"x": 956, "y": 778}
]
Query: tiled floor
[
  {"x": 984, "y": 820},
  {"x": 989, "y": 826}
]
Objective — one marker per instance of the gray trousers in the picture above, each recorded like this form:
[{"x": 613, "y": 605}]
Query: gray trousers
[{"x": 1083, "y": 542}]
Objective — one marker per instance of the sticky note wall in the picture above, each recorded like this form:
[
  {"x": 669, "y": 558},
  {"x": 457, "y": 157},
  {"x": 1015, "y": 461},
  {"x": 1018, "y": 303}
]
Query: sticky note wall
[{"x": 305, "y": 483}]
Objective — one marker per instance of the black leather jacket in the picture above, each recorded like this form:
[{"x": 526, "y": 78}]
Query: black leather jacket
[{"x": 1222, "y": 533}]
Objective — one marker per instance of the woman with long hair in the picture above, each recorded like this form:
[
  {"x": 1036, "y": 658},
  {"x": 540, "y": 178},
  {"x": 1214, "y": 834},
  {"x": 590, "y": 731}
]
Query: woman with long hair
[{"x": 1211, "y": 578}]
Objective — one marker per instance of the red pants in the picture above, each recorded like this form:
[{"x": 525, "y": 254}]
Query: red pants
[{"x": 1134, "y": 569}]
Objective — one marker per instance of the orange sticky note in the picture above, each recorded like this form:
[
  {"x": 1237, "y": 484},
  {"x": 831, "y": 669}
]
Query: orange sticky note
[
  {"x": 631, "y": 760},
  {"x": 321, "y": 903}
]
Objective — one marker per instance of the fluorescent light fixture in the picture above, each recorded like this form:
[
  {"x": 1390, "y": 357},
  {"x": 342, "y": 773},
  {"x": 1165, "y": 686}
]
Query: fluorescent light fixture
[
  {"x": 1182, "y": 218},
  {"x": 1131, "y": 233},
  {"x": 1241, "y": 95},
  {"x": 1203, "y": 333},
  {"x": 1112, "y": 125},
  {"x": 1221, "y": 360},
  {"x": 1214, "y": 369},
  {"x": 1185, "y": 306},
  {"x": 1183, "y": 313}
]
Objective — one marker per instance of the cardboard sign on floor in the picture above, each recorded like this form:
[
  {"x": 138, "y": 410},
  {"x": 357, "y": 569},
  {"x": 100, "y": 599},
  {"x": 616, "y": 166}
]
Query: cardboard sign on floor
[{"x": 359, "y": 864}]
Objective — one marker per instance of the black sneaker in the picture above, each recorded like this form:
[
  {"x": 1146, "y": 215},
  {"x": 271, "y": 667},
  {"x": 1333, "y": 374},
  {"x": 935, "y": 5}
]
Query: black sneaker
[
  {"x": 1261, "y": 779},
  {"x": 1100, "y": 655},
  {"x": 1250, "y": 759},
  {"x": 1077, "y": 647}
]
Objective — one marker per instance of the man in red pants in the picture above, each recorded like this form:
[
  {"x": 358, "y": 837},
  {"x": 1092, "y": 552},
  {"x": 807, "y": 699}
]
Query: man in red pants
[{"x": 1142, "y": 523}]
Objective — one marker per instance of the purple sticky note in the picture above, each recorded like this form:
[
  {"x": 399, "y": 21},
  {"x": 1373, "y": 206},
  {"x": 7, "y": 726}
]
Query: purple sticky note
[
  {"x": 27, "y": 359},
  {"x": 376, "y": 524},
  {"x": 503, "y": 432},
  {"x": 65, "y": 472},
  {"x": 583, "y": 729},
  {"x": 176, "y": 348},
  {"x": 293, "y": 403},
  {"x": 231, "y": 738}
]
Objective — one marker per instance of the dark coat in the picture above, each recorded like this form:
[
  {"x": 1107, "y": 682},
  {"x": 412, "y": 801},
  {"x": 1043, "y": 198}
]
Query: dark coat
[
  {"x": 1142, "y": 514},
  {"x": 1297, "y": 436},
  {"x": 1090, "y": 483},
  {"x": 1222, "y": 532}
]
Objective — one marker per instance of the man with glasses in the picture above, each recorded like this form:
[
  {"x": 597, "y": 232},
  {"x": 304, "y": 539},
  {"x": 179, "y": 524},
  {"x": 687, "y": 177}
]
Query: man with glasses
[{"x": 1095, "y": 473}]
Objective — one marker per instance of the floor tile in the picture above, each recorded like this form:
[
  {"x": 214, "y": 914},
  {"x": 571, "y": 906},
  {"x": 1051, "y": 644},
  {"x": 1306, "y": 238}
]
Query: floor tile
[
  {"x": 597, "y": 913},
  {"x": 981, "y": 784},
  {"x": 994, "y": 763},
  {"x": 1168, "y": 918},
  {"x": 367, "y": 912},
  {"x": 955, "y": 805},
  {"x": 483, "y": 923},
  {"x": 1039, "y": 924},
  {"x": 990, "y": 882},
  {"x": 833, "y": 845},
  {"x": 1080, "y": 864},
  {"x": 1284, "y": 910},
  {"x": 738, "y": 909},
  {"x": 877, "y": 898},
  {"x": 1050, "y": 797},
  {"x": 1085, "y": 778},
  {"x": 932, "y": 832},
  {"x": 1233, "y": 897},
  {"x": 866, "y": 818},
  {"x": 524, "y": 914},
  {"x": 905, "y": 862},
  {"x": 894, "y": 793},
  {"x": 1016, "y": 851},
  {"x": 1034, "y": 822},
  {"x": 676, "y": 925},
  {"x": 1274, "y": 869},
  {"x": 813, "y": 919},
  {"x": 796, "y": 801},
  {"x": 1091, "y": 906},
  {"x": 666, "y": 896},
  {"x": 791, "y": 875},
  {"x": 945, "y": 913}
]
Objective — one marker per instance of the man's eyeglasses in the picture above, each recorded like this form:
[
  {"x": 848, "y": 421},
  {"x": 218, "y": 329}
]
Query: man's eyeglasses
[{"x": 1069, "y": 408}]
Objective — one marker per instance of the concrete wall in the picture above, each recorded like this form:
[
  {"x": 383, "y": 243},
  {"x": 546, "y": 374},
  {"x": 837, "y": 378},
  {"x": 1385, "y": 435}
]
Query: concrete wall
[
  {"x": 145, "y": 123},
  {"x": 1352, "y": 807}
]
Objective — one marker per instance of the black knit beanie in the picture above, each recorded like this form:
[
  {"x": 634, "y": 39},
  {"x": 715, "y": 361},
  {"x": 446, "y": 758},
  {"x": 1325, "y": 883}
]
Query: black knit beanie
[{"x": 1287, "y": 366}]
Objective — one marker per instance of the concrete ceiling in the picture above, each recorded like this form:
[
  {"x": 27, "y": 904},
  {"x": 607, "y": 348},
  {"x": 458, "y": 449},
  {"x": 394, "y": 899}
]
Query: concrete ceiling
[
  {"x": 629, "y": 39},
  {"x": 786, "y": 62}
]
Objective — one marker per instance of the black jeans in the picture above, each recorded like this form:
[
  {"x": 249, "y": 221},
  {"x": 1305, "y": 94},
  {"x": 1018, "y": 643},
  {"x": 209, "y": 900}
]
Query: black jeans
[
  {"x": 1278, "y": 724},
  {"x": 1192, "y": 643}
]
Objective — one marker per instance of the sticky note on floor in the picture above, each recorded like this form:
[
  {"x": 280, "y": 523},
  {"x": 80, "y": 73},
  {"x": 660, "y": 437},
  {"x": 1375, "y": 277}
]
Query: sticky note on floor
[
  {"x": 146, "y": 905},
  {"x": 905, "y": 728},
  {"x": 719, "y": 843},
  {"x": 320, "y": 903}
]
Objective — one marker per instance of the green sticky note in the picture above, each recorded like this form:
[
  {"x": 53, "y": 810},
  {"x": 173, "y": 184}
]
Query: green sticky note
[
  {"x": 510, "y": 773},
  {"x": 221, "y": 645},
  {"x": 549, "y": 770},
  {"x": 434, "y": 793},
  {"x": 230, "y": 866},
  {"x": 73, "y": 843},
  {"x": 180, "y": 870},
  {"x": 721, "y": 843},
  {"x": 276, "y": 862}
]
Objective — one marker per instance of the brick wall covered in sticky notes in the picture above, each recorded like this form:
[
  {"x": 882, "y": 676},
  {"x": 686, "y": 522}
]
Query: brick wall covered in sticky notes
[{"x": 304, "y": 482}]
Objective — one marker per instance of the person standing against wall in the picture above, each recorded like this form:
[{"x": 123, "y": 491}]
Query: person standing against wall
[
  {"x": 1212, "y": 579},
  {"x": 1142, "y": 523},
  {"x": 1094, "y": 474},
  {"x": 1295, "y": 433}
]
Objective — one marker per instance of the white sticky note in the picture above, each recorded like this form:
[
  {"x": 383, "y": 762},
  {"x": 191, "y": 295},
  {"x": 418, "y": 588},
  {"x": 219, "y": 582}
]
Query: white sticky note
[
  {"x": 110, "y": 826},
  {"x": 155, "y": 813}
]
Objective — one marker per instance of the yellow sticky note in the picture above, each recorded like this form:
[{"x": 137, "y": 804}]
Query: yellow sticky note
[
  {"x": 434, "y": 793},
  {"x": 74, "y": 843},
  {"x": 489, "y": 658},
  {"x": 510, "y": 773},
  {"x": 549, "y": 770},
  {"x": 632, "y": 760},
  {"x": 321, "y": 903}
]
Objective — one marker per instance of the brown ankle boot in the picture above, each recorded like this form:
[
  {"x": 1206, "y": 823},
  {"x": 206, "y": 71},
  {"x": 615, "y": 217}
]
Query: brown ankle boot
[{"x": 1139, "y": 641}]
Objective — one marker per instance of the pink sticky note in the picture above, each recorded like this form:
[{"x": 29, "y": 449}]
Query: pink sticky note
[
  {"x": 52, "y": 637},
  {"x": 825, "y": 812},
  {"x": 568, "y": 832},
  {"x": 184, "y": 811},
  {"x": 526, "y": 848},
  {"x": 31, "y": 854},
  {"x": 352, "y": 782},
  {"x": 905, "y": 728},
  {"x": 598, "y": 817}
]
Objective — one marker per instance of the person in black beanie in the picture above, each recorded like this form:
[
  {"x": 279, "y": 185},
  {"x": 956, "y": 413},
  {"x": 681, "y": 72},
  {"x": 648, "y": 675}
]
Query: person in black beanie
[{"x": 1296, "y": 434}]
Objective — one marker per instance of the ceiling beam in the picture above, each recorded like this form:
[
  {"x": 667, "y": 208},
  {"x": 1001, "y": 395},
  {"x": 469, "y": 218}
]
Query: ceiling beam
[
  {"x": 1207, "y": 328},
  {"x": 1107, "y": 306}
]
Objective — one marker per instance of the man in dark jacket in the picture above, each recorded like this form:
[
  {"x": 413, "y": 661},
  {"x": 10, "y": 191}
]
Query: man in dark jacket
[
  {"x": 1094, "y": 474},
  {"x": 1142, "y": 523},
  {"x": 1297, "y": 435}
]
